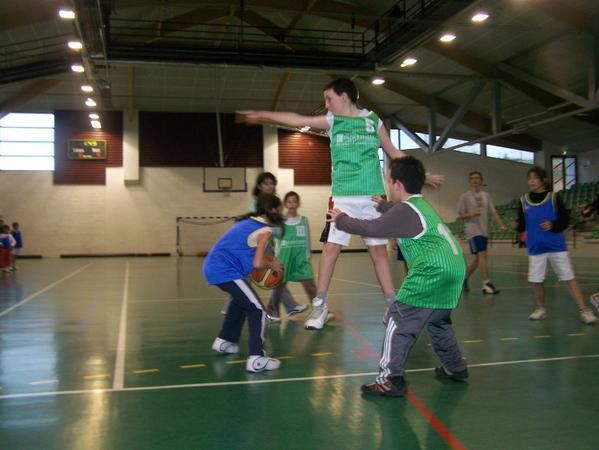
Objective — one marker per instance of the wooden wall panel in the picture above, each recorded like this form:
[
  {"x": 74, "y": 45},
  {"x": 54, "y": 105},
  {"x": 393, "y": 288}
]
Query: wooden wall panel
[
  {"x": 191, "y": 140},
  {"x": 308, "y": 155},
  {"x": 76, "y": 125}
]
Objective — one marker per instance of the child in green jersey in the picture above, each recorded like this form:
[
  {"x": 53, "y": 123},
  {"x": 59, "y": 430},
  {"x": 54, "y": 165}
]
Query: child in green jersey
[
  {"x": 294, "y": 252},
  {"x": 433, "y": 285},
  {"x": 355, "y": 135}
]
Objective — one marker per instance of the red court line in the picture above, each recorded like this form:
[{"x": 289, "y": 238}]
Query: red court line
[{"x": 367, "y": 352}]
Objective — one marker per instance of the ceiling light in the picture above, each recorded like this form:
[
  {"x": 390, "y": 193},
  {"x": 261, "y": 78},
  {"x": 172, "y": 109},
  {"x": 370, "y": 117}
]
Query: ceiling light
[
  {"x": 409, "y": 62},
  {"x": 90, "y": 102},
  {"x": 87, "y": 88},
  {"x": 480, "y": 17},
  {"x": 96, "y": 124},
  {"x": 377, "y": 81},
  {"x": 447, "y": 37},
  {"x": 66, "y": 13},
  {"x": 304, "y": 129},
  {"x": 75, "y": 45},
  {"x": 94, "y": 116},
  {"x": 77, "y": 68}
]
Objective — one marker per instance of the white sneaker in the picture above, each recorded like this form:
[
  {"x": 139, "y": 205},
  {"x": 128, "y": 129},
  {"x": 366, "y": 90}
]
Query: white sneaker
[
  {"x": 256, "y": 363},
  {"x": 489, "y": 288},
  {"x": 595, "y": 300},
  {"x": 587, "y": 316},
  {"x": 538, "y": 314},
  {"x": 273, "y": 319},
  {"x": 221, "y": 346},
  {"x": 297, "y": 310},
  {"x": 318, "y": 317}
]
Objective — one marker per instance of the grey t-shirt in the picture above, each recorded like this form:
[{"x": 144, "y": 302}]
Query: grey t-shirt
[{"x": 470, "y": 201}]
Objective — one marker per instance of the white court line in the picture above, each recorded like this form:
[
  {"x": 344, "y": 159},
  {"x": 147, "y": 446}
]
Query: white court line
[
  {"x": 119, "y": 365},
  {"x": 41, "y": 291},
  {"x": 200, "y": 299},
  {"x": 279, "y": 380}
]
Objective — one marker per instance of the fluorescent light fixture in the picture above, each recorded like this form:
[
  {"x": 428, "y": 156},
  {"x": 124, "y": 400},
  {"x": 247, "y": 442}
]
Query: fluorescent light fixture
[
  {"x": 480, "y": 17},
  {"x": 77, "y": 68},
  {"x": 94, "y": 116},
  {"x": 304, "y": 129},
  {"x": 447, "y": 37},
  {"x": 65, "y": 13},
  {"x": 90, "y": 102},
  {"x": 96, "y": 124},
  {"x": 409, "y": 61},
  {"x": 87, "y": 88},
  {"x": 75, "y": 45},
  {"x": 377, "y": 81}
]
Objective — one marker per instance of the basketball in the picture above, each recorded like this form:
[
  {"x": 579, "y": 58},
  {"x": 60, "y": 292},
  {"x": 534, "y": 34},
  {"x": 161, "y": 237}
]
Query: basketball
[{"x": 266, "y": 278}]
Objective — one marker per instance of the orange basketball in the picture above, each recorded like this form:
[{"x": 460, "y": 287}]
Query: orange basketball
[{"x": 266, "y": 278}]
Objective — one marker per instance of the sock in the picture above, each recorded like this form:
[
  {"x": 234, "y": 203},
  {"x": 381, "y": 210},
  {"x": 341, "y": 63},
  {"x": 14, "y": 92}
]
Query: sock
[
  {"x": 320, "y": 299},
  {"x": 485, "y": 282}
]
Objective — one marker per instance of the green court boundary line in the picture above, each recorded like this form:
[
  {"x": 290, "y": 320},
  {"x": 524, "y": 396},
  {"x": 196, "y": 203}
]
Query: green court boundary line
[{"x": 279, "y": 380}]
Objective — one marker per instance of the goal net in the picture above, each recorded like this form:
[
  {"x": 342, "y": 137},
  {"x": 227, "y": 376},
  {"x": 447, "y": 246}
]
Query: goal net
[{"x": 197, "y": 235}]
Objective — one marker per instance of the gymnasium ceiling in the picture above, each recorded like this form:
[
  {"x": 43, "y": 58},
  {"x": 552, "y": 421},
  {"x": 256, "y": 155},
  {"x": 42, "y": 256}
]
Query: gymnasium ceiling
[{"x": 528, "y": 73}]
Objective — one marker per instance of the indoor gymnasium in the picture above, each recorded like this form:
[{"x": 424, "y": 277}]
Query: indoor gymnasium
[{"x": 323, "y": 224}]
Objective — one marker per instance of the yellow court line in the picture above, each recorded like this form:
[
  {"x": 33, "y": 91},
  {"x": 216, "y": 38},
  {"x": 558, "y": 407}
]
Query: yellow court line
[
  {"x": 321, "y": 354},
  {"x": 509, "y": 339},
  {"x": 237, "y": 361},
  {"x": 100, "y": 375},
  {"x": 145, "y": 371},
  {"x": 473, "y": 341},
  {"x": 283, "y": 357},
  {"x": 547, "y": 336},
  {"x": 192, "y": 366},
  {"x": 576, "y": 334},
  {"x": 34, "y": 383}
]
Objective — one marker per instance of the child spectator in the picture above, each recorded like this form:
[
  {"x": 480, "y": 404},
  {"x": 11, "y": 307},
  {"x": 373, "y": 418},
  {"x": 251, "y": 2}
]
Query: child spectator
[{"x": 18, "y": 237}]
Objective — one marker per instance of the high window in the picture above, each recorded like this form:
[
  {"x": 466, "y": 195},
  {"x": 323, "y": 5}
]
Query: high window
[{"x": 27, "y": 141}]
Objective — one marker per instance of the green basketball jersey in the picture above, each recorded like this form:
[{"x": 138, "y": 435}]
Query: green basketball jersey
[
  {"x": 355, "y": 141},
  {"x": 435, "y": 262},
  {"x": 293, "y": 250}
]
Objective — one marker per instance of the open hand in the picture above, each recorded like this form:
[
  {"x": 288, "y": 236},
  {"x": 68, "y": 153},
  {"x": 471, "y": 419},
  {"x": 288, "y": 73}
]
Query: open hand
[
  {"x": 332, "y": 214},
  {"x": 434, "y": 180}
]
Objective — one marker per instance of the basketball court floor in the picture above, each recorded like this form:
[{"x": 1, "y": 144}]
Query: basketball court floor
[{"x": 115, "y": 354}]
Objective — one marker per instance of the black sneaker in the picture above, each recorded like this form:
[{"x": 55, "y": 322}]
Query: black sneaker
[
  {"x": 442, "y": 372},
  {"x": 395, "y": 387},
  {"x": 489, "y": 288},
  {"x": 466, "y": 288}
]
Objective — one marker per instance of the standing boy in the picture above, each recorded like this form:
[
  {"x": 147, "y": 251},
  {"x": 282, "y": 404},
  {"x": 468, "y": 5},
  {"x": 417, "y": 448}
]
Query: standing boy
[
  {"x": 475, "y": 206},
  {"x": 544, "y": 218},
  {"x": 433, "y": 285}
]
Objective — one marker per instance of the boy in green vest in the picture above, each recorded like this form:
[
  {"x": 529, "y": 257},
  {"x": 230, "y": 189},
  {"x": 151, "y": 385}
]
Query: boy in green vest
[
  {"x": 433, "y": 285},
  {"x": 355, "y": 137}
]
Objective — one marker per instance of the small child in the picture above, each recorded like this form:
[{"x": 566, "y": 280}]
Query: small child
[
  {"x": 7, "y": 243},
  {"x": 433, "y": 285},
  {"x": 228, "y": 264},
  {"x": 294, "y": 252},
  {"x": 16, "y": 234},
  {"x": 544, "y": 218}
]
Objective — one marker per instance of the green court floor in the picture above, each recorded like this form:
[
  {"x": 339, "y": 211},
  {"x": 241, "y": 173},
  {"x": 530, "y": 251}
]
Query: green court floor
[{"x": 115, "y": 354}]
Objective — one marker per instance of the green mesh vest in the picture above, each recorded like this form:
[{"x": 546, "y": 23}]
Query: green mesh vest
[
  {"x": 354, "y": 156},
  {"x": 435, "y": 262}
]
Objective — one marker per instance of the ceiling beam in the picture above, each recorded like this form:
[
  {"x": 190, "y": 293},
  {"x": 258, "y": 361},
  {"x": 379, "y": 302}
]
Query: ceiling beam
[
  {"x": 479, "y": 66},
  {"x": 563, "y": 12},
  {"x": 280, "y": 90},
  {"x": 26, "y": 94},
  {"x": 472, "y": 120}
]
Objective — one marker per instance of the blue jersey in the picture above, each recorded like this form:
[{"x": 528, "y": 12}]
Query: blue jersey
[
  {"x": 5, "y": 241},
  {"x": 539, "y": 241},
  {"x": 18, "y": 238},
  {"x": 232, "y": 257}
]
